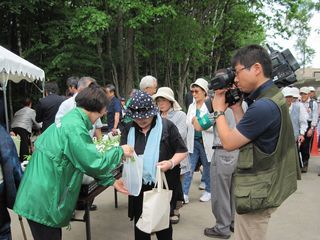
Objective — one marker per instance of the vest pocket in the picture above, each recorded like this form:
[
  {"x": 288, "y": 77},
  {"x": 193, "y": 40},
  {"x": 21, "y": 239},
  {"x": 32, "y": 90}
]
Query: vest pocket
[
  {"x": 245, "y": 160},
  {"x": 251, "y": 192}
]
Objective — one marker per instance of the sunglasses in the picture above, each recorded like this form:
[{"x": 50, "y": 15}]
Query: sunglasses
[{"x": 139, "y": 110}]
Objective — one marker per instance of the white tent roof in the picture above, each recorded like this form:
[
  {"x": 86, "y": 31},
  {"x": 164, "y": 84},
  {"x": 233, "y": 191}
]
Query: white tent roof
[{"x": 15, "y": 68}]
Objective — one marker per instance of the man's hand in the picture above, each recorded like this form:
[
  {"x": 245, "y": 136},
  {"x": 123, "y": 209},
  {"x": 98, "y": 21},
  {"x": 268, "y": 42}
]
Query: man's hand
[
  {"x": 196, "y": 124},
  {"x": 219, "y": 100},
  {"x": 119, "y": 186}
]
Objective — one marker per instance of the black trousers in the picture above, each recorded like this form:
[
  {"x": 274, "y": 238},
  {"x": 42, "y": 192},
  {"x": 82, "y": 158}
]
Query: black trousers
[
  {"x": 305, "y": 147},
  {"x": 5, "y": 232},
  {"x": 137, "y": 202},
  {"x": 41, "y": 232},
  {"x": 165, "y": 234},
  {"x": 25, "y": 141}
]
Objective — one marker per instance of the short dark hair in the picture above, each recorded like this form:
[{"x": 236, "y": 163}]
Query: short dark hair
[
  {"x": 26, "y": 101},
  {"x": 111, "y": 87},
  {"x": 252, "y": 54},
  {"x": 73, "y": 82},
  {"x": 51, "y": 88},
  {"x": 93, "y": 98}
]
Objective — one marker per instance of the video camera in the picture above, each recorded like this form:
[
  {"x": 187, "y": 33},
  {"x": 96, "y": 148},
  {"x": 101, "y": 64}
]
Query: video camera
[{"x": 283, "y": 67}]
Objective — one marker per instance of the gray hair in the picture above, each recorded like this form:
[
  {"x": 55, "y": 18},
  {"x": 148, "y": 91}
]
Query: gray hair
[
  {"x": 72, "y": 81},
  {"x": 84, "y": 82},
  {"x": 147, "y": 81}
]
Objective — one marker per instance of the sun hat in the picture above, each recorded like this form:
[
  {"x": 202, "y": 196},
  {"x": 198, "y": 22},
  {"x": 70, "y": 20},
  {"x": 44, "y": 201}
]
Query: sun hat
[
  {"x": 201, "y": 83},
  {"x": 295, "y": 92},
  {"x": 305, "y": 90},
  {"x": 141, "y": 106},
  {"x": 168, "y": 94}
]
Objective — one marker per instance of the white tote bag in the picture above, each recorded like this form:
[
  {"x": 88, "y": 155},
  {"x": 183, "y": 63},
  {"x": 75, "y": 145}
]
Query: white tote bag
[{"x": 156, "y": 206}]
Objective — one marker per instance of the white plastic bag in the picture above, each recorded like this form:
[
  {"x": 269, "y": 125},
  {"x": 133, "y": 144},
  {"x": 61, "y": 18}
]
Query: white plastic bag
[
  {"x": 156, "y": 206},
  {"x": 132, "y": 174}
]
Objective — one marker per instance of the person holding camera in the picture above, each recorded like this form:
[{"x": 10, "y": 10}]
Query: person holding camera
[
  {"x": 223, "y": 165},
  {"x": 267, "y": 169}
]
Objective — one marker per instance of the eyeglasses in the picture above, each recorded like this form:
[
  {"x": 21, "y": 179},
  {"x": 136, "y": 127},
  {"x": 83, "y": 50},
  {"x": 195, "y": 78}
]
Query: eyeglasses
[
  {"x": 239, "y": 70},
  {"x": 195, "y": 91}
]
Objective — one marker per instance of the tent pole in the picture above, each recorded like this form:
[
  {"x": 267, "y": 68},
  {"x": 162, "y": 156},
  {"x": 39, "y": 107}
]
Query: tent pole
[{"x": 4, "y": 88}]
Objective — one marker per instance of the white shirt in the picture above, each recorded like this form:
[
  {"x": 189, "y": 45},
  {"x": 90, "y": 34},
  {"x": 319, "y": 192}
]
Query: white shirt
[
  {"x": 312, "y": 112},
  {"x": 303, "y": 117},
  {"x": 69, "y": 104}
]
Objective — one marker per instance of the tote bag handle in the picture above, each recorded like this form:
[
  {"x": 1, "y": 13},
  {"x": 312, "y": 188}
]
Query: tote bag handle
[{"x": 160, "y": 178}]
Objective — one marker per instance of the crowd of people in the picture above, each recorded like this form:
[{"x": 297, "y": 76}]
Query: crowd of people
[{"x": 248, "y": 152}]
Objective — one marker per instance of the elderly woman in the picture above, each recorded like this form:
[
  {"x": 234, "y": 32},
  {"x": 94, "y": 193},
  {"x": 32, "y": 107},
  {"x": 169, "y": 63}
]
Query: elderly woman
[
  {"x": 63, "y": 153},
  {"x": 158, "y": 142},
  {"x": 170, "y": 109},
  {"x": 199, "y": 142}
]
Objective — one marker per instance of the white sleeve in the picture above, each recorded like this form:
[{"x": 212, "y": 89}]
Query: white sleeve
[
  {"x": 303, "y": 119},
  {"x": 314, "y": 116}
]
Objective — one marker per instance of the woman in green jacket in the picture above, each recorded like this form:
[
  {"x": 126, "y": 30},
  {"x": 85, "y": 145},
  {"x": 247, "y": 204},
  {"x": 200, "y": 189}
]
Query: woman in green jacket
[{"x": 63, "y": 153}]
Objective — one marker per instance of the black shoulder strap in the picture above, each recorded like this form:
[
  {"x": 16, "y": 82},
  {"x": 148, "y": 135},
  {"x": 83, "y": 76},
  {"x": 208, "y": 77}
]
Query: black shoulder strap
[
  {"x": 311, "y": 104},
  {"x": 209, "y": 105}
]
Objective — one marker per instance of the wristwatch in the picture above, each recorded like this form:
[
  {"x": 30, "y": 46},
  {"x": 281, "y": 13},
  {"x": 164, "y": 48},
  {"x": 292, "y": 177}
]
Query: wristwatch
[{"x": 216, "y": 114}]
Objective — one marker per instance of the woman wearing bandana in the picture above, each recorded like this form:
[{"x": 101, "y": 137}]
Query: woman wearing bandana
[{"x": 158, "y": 142}]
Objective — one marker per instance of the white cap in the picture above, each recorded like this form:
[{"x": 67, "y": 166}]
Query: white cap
[
  {"x": 305, "y": 90},
  {"x": 312, "y": 89},
  {"x": 168, "y": 94},
  {"x": 287, "y": 91},
  {"x": 295, "y": 92},
  {"x": 201, "y": 83}
]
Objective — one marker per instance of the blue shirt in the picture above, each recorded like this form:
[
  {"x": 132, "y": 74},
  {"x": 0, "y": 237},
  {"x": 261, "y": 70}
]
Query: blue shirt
[
  {"x": 113, "y": 108},
  {"x": 261, "y": 122}
]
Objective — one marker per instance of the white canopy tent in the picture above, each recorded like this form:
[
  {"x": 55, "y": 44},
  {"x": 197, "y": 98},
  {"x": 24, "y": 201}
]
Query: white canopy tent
[{"x": 15, "y": 68}]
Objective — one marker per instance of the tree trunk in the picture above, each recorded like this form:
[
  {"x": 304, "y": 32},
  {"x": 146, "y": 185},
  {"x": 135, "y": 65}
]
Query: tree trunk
[
  {"x": 99, "y": 51},
  {"x": 121, "y": 50},
  {"x": 183, "y": 75},
  {"x": 129, "y": 61},
  {"x": 113, "y": 66}
]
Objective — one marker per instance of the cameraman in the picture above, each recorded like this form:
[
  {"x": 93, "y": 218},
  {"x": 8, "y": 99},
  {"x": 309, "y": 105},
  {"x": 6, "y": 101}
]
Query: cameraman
[{"x": 266, "y": 173}]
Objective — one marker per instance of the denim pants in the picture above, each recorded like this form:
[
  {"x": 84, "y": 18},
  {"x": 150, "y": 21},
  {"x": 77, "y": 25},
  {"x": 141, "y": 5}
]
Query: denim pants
[
  {"x": 5, "y": 232},
  {"x": 198, "y": 152}
]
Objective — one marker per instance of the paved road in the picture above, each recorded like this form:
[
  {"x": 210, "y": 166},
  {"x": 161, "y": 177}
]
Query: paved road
[{"x": 297, "y": 218}]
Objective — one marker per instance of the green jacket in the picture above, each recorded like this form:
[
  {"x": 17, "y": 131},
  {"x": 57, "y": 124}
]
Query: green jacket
[
  {"x": 263, "y": 180},
  {"x": 50, "y": 186}
]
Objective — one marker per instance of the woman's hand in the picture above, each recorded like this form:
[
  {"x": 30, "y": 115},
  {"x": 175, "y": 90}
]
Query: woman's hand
[
  {"x": 127, "y": 150},
  {"x": 165, "y": 165},
  {"x": 119, "y": 186}
]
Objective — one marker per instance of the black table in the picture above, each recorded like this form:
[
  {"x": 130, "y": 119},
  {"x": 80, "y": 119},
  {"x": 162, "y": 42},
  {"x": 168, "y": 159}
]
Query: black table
[{"x": 86, "y": 201}]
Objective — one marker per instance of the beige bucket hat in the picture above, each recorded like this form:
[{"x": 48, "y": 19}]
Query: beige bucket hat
[{"x": 168, "y": 94}]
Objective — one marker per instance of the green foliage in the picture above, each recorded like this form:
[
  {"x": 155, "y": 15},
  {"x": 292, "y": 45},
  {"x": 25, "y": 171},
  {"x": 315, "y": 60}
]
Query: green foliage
[
  {"x": 87, "y": 23},
  {"x": 121, "y": 40}
]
